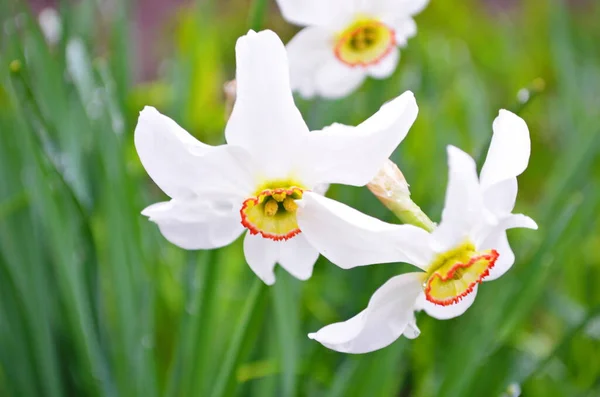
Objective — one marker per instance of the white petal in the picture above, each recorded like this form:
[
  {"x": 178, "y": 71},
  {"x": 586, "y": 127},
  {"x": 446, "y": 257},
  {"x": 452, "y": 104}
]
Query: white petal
[
  {"x": 308, "y": 51},
  {"x": 261, "y": 255},
  {"x": 412, "y": 331},
  {"x": 169, "y": 154},
  {"x": 333, "y": 79},
  {"x": 386, "y": 67},
  {"x": 463, "y": 207},
  {"x": 486, "y": 230},
  {"x": 195, "y": 225},
  {"x": 500, "y": 198},
  {"x": 396, "y": 7},
  {"x": 509, "y": 150},
  {"x": 353, "y": 155},
  {"x": 404, "y": 30},
  {"x": 298, "y": 257},
  {"x": 496, "y": 239},
  {"x": 184, "y": 167},
  {"x": 332, "y": 13},
  {"x": 499, "y": 242},
  {"x": 518, "y": 220},
  {"x": 446, "y": 312},
  {"x": 192, "y": 210},
  {"x": 264, "y": 117},
  {"x": 349, "y": 238},
  {"x": 387, "y": 316}
]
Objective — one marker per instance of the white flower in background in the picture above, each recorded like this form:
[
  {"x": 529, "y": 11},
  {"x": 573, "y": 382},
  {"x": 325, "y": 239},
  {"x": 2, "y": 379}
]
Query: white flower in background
[
  {"x": 270, "y": 160},
  {"x": 51, "y": 25},
  {"x": 468, "y": 247},
  {"x": 345, "y": 41}
]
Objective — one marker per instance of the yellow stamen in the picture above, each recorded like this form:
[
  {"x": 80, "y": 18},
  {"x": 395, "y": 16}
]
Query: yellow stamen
[
  {"x": 271, "y": 207},
  {"x": 279, "y": 196},
  {"x": 290, "y": 205}
]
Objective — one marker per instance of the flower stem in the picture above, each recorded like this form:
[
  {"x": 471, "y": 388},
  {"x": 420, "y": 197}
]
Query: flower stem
[{"x": 257, "y": 14}]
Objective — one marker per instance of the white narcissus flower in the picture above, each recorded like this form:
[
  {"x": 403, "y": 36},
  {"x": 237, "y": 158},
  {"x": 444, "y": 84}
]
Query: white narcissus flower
[
  {"x": 345, "y": 41},
  {"x": 270, "y": 160},
  {"x": 468, "y": 247}
]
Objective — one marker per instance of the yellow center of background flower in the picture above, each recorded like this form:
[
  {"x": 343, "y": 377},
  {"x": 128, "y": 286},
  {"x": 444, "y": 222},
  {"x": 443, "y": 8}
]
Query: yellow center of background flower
[
  {"x": 365, "y": 43},
  {"x": 454, "y": 274},
  {"x": 272, "y": 212}
]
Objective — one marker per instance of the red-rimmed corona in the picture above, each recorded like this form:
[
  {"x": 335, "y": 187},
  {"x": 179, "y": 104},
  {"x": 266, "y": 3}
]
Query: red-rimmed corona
[
  {"x": 255, "y": 184},
  {"x": 345, "y": 42},
  {"x": 456, "y": 276},
  {"x": 366, "y": 43},
  {"x": 272, "y": 213},
  {"x": 468, "y": 247}
]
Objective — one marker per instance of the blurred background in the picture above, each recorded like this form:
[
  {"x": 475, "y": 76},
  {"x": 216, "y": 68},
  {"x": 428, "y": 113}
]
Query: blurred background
[{"x": 94, "y": 302}]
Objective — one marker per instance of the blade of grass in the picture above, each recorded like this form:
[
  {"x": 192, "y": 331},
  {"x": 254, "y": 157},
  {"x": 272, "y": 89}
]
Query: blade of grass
[
  {"x": 225, "y": 377},
  {"x": 284, "y": 296},
  {"x": 200, "y": 288}
]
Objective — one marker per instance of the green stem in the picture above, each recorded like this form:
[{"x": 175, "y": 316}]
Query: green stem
[
  {"x": 257, "y": 14},
  {"x": 409, "y": 212}
]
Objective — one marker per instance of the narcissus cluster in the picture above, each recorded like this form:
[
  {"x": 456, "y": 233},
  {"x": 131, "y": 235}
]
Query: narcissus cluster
[{"x": 269, "y": 180}]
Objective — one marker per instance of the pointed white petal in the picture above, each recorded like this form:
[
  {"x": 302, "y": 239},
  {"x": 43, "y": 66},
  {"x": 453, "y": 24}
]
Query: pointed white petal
[
  {"x": 333, "y": 79},
  {"x": 298, "y": 257},
  {"x": 499, "y": 242},
  {"x": 169, "y": 154},
  {"x": 264, "y": 118},
  {"x": 509, "y": 150},
  {"x": 184, "y": 167},
  {"x": 463, "y": 207},
  {"x": 261, "y": 255},
  {"x": 390, "y": 311},
  {"x": 332, "y": 13},
  {"x": 353, "y": 155},
  {"x": 386, "y": 67},
  {"x": 518, "y": 220},
  {"x": 447, "y": 312},
  {"x": 349, "y": 238},
  {"x": 195, "y": 225}
]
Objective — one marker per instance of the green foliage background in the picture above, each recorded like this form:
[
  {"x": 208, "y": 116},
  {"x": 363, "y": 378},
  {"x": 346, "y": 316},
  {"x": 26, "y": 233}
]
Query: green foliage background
[{"x": 94, "y": 302}]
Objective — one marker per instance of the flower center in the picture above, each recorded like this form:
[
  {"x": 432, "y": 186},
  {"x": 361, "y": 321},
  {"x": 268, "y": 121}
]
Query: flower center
[
  {"x": 454, "y": 274},
  {"x": 272, "y": 212},
  {"x": 365, "y": 43}
]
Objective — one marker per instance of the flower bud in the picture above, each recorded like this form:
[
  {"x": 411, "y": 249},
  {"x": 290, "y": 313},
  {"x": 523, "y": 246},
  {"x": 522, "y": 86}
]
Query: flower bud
[{"x": 391, "y": 188}]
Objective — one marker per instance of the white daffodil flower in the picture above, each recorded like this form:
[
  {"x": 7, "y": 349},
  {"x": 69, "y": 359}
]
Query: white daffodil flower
[
  {"x": 345, "y": 41},
  {"x": 270, "y": 161},
  {"x": 468, "y": 247}
]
